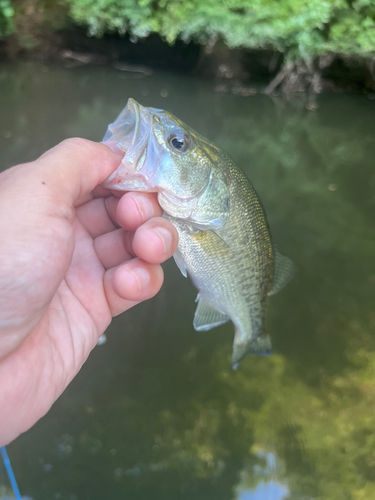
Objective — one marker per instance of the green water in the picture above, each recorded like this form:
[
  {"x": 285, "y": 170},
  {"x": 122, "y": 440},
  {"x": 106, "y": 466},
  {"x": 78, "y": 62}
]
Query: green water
[{"x": 157, "y": 412}]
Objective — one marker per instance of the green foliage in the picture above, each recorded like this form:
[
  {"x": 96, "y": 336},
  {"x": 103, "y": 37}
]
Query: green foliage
[
  {"x": 123, "y": 16},
  {"x": 354, "y": 31},
  {"x": 6, "y": 17},
  {"x": 299, "y": 28}
]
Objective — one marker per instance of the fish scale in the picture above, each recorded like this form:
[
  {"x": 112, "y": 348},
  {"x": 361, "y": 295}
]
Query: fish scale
[
  {"x": 224, "y": 264},
  {"x": 224, "y": 240}
]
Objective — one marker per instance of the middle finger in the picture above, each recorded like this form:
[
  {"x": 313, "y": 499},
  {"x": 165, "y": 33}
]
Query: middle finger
[
  {"x": 154, "y": 242},
  {"x": 102, "y": 215}
]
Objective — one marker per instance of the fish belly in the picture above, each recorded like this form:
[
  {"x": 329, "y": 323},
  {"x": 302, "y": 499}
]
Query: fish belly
[{"x": 227, "y": 285}]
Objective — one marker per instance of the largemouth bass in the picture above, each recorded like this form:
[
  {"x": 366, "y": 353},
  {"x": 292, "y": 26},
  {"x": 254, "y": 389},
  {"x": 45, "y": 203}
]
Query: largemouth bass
[{"x": 224, "y": 240}]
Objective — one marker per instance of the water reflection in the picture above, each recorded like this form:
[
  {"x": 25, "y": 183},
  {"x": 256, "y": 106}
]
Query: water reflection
[
  {"x": 268, "y": 487},
  {"x": 157, "y": 411},
  {"x": 265, "y": 491}
]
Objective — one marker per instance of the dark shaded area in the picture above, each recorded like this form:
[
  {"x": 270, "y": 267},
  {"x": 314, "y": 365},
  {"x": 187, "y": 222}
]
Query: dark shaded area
[
  {"x": 237, "y": 70},
  {"x": 151, "y": 52}
]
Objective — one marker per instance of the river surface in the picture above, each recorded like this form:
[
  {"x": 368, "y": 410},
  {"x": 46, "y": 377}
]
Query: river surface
[{"x": 157, "y": 412}]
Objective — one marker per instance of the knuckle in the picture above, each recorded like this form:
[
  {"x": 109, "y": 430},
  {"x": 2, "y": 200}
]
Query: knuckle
[{"x": 76, "y": 143}]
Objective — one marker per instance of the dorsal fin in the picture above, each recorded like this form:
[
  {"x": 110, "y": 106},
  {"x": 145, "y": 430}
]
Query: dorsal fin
[{"x": 285, "y": 269}]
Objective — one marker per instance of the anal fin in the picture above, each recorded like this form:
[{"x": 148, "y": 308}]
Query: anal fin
[{"x": 207, "y": 316}]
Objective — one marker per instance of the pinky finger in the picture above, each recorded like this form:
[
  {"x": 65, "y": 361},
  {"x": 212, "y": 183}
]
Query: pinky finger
[{"x": 131, "y": 283}]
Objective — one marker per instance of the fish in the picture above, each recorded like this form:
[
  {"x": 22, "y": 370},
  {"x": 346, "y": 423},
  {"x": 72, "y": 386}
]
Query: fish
[{"x": 225, "y": 245}]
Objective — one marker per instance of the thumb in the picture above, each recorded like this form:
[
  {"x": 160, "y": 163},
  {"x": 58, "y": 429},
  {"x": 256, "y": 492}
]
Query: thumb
[{"x": 77, "y": 166}]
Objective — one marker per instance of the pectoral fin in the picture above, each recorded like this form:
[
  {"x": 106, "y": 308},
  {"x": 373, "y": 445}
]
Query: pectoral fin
[
  {"x": 207, "y": 316},
  {"x": 212, "y": 243},
  {"x": 285, "y": 270},
  {"x": 180, "y": 262}
]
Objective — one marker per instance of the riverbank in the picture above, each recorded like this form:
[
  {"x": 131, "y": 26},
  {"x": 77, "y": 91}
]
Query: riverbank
[{"x": 239, "y": 70}]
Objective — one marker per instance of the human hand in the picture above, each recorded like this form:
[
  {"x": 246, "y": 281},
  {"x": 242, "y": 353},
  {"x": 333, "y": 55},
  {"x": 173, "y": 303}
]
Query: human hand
[{"x": 72, "y": 256}]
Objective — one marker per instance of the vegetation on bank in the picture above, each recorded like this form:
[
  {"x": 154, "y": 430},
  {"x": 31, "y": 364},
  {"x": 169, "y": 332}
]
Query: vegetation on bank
[
  {"x": 6, "y": 17},
  {"x": 300, "y": 29}
]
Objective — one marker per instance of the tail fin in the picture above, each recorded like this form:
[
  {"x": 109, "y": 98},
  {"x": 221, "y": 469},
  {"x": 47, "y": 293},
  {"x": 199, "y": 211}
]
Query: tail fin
[{"x": 261, "y": 346}]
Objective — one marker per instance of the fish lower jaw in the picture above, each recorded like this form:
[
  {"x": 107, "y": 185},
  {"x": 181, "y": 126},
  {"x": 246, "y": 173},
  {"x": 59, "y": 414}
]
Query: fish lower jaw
[
  {"x": 127, "y": 180},
  {"x": 126, "y": 184}
]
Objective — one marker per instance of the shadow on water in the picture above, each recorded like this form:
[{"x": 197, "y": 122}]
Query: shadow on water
[{"x": 157, "y": 412}]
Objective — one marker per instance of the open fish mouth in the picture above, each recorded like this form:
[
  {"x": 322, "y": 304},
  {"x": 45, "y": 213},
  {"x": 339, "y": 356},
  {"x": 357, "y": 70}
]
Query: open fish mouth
[
  {"x": 130, "y": 132},
  {"x": 141, "y": 133},
  {"x": 125, "y": 130}
]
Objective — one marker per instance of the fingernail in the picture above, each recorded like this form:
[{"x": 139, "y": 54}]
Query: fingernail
[
  {"x": 141, "y": 276},
  {"x": 165, "y": 237},
  {"x": 115, "y": 149},
  {"x": 144, "y": 206}
]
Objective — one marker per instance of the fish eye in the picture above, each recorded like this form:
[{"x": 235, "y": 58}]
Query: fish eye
[{"x": 179, "y": 141}]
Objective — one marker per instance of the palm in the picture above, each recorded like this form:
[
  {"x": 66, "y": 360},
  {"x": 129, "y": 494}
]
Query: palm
[
  {"x": 79, "y": 312},
  {"x": 70, "y": 260},
  {"x": 93, "y": 288}
]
